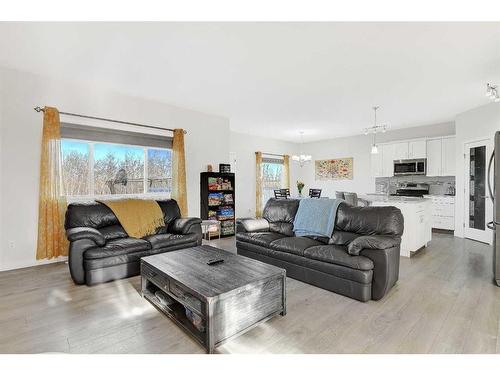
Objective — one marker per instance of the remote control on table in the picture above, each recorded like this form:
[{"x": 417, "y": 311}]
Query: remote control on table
[{"x": 212, "y": 262}]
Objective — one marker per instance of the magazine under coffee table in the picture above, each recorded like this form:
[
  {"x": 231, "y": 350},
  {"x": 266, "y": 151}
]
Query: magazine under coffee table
[{"x": 226, "y": 299}]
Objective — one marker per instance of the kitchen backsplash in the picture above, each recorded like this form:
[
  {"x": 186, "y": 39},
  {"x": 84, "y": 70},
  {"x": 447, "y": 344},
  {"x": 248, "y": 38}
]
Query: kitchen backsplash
[{"x": 437, "y": 185}]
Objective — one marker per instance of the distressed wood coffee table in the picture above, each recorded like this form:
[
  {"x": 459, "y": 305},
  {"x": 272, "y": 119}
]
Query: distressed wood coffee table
[{"x": 230, "y": 297}]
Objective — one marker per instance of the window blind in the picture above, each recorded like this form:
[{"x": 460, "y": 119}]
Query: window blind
[
  {"x": 272, "y": 160},
  {"x": 96, "y": 134}
]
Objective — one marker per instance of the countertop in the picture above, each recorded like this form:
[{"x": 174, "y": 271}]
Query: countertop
[{"x": 394, "y": 199}]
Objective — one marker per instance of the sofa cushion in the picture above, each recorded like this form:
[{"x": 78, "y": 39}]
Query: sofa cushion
[
  {"x": 90, "y": 214},
  {"x": 259, "y": 238},
  {"x": 293, "y": 245},
  {"x": 97, "y": 215},
  {"x": 158, "y": 241},
  {"x": 338, "y": 255},
  {"x": 369, "y": 220},
  {"x": 117, "y": 247},
  {"x": 280, "y": 214},
  {"x": 359, "y": 276},
  {"x": 113, "y": 232},
  {"x": 170, "y": 210},
  {"x": 253, "y": 225}
]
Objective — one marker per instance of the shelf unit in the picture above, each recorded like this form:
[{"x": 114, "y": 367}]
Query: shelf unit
[{"x": 206, "y": 190}]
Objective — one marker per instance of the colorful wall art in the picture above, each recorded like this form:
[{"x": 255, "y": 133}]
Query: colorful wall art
[{"x": 334, "y": 169}]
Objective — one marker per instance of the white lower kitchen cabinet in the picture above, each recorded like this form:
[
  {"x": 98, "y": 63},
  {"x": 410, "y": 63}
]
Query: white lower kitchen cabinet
[
  {"x": 417, "y": 231},
  {"x": 442, "y": 211}
]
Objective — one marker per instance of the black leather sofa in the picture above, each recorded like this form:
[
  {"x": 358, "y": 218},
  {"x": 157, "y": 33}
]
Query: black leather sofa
[
  {"x": 100, "y": 250},
  {"x": 360, "y": 260}
]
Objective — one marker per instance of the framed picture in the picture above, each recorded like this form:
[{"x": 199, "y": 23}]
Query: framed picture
[{"x": 333, "y": 169}]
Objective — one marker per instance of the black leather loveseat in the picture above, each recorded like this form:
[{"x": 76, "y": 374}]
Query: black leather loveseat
[
  {"x": 100, "y": 250},
  {"x": 360, "y": 260}
]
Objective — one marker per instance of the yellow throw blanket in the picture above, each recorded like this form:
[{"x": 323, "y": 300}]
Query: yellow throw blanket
[{"x": 139, "y": 217}]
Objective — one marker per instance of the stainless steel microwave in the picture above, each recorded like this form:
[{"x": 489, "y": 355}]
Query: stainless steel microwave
[{"x": 410, "y": 167}]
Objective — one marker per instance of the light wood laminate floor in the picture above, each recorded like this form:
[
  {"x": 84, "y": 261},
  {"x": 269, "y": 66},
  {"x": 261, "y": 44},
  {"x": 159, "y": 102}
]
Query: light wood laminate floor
[{"x": 444, "y": 302}]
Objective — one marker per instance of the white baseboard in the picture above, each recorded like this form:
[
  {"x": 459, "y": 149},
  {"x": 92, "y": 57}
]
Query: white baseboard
[{"x": 25, "y": 264}]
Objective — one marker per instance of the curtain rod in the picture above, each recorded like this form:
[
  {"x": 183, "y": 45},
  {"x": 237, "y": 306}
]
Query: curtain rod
[
  {"x": 271, "y": 154},
  {"x": 38, "y": 109}
]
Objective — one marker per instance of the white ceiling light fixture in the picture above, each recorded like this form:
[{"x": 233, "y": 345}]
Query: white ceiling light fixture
[
  {"x": 302, "y": 158},
  {"x": 374, "y": 129},
  {"x": 492, "y": 92}
]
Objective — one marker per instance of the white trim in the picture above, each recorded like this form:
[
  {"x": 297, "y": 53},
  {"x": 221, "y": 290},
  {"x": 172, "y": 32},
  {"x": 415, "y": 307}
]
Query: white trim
[
  {"x": 477, "y": 234},
  {"x": 33, "y": 263},
  {"x": 91, "y": 182}
]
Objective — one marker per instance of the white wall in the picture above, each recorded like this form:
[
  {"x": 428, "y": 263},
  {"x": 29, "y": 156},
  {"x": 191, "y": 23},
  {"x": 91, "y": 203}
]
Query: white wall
[
  {"x": 207, "y": 142},
  {"x": 358, "y": 147},
  {"x": 476, "y": 124},
  {"x": 244, "y": 146},
  {"x": 2, "y": 90}
]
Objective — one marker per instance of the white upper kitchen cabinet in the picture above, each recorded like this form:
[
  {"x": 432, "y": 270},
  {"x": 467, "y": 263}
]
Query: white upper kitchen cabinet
[
  {"x": 434, "y": 157},
  {"x": 441, "y": 157},
  {"x": 448, "y": 157},
  {"x": 400, "y": 150},
  {"x": 388, "y": 156},
  {"x": 417, "y": 149},
  {"x": 377, "y": 165}
]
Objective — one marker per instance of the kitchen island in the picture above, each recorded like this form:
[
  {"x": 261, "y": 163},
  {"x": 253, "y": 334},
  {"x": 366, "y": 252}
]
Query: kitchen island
[{"x": 417, "y": 219}]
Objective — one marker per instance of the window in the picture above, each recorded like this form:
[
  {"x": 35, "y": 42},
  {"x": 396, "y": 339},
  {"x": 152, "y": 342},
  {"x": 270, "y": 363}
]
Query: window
[
  {"x": 159, "y": 170},
  {"x": 92, "y": 169},
  {"x": 272, "y": 177},
  {"x": 75, "y": 167}
]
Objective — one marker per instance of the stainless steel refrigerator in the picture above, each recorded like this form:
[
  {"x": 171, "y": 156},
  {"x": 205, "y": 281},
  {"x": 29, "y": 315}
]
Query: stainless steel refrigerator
[{"x": 494, "y": 178}]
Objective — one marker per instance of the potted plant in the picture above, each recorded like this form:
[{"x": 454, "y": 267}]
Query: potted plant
[{"x": 300, "y": 186}]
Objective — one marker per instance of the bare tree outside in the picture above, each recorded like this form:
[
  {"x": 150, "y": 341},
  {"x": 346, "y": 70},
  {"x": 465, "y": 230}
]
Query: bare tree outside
[
  {"x": 159, "y": 170},
  {"x": 106, "y": 173},
  {"x": 272, "y": 178},
  {"x": 118, "y": 169},
  {"x": 75, "y": 168}
]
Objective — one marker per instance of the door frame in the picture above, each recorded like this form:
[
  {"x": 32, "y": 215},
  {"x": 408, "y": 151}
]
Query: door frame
[{"x": 485, "y": 236}]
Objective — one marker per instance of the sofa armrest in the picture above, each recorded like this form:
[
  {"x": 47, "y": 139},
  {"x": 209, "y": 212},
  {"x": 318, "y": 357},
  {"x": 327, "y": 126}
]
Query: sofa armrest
[
  {"x": 375, "y": 242},
  {"x": 75, "y": 258},
  {"x": 80, "y": 233},
  {"x": 185, "y": 225},
  {"x": 248, "y": 224},
  {"x": 385, "y": 269}
]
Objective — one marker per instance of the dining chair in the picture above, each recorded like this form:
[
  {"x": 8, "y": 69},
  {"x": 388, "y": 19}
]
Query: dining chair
[
  {"x": 351, "y": 198},
  {"x": 314, "y": 193},
  {"x": 281, "y": 193}
]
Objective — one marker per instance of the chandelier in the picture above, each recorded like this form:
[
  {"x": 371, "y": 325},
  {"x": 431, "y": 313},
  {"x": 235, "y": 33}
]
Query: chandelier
[
  {"x": 492, "y": 92},
  {"x": 302, "y": 158},
  {"x": 374, "y": 129}
]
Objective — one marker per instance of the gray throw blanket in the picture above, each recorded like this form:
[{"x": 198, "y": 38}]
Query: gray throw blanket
[{"x": 316, "y": 217}]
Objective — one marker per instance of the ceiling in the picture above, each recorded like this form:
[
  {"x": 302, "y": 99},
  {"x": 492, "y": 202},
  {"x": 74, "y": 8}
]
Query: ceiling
[{"x": 275, "y": 79}]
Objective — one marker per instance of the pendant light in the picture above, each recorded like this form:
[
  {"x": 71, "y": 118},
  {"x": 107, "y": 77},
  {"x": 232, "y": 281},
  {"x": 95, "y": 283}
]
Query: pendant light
[
  {"x": 302, "y": 158},
  {"x": 374, "y": 129}
]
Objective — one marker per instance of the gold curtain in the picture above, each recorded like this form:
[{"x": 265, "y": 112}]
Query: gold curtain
[
  {"x": 286, "y": 171},
  {"x": 258, "y": 184},
  {"x": 179, "y": 172},
  {"x": 52, "y": 203}
]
